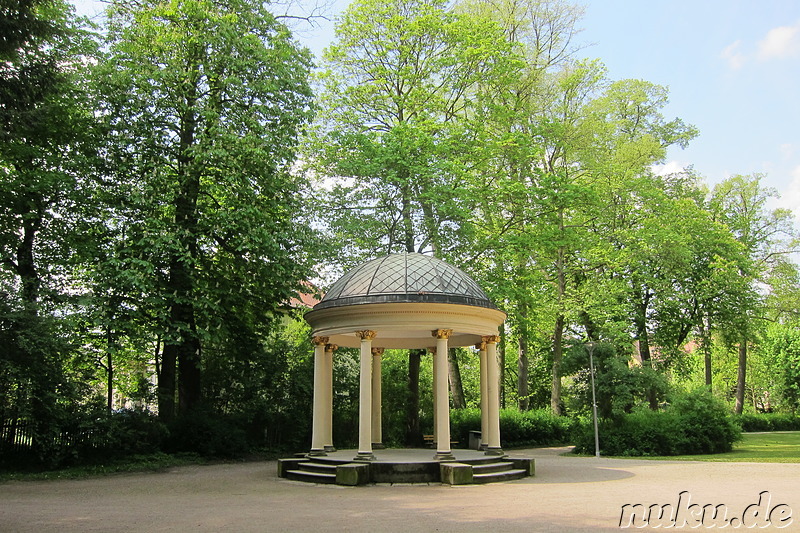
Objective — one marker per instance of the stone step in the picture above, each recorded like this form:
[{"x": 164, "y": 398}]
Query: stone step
[
  {"x": 494, "y": 477},
  {"x": 318, "y": 467},
  {"x": 487, "y": 459},
  {"x": 310, "y": 477},
  {"x": 489, "y": 468}
]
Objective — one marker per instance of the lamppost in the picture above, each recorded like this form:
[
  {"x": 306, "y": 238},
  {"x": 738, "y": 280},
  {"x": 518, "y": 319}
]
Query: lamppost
[{"x": 590, "y": 346}]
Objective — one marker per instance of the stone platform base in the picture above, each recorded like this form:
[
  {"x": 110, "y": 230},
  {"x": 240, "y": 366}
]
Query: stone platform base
[{"x": 405, "y": 466}]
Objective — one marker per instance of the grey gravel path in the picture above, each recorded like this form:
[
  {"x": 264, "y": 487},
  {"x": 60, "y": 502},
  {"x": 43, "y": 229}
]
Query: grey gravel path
[{"x": 567, "y": 494}]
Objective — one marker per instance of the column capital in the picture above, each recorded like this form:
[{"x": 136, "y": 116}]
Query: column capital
[
  {"x": 432, "y": 350},
  {"x": 366, "y": 335},
  {"x": 378, "y": 351},
  {"x": 331, "y": 347},
  {"x": 491, "y": 339},
  {"x": 442, "y": 333},
  {"x": 481, "y": 345},
  {"x": 319, "y": 340}
]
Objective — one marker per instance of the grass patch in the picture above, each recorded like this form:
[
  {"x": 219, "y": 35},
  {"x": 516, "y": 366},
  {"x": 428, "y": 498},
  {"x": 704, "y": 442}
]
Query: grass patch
[{"x": 769, "y": 447}]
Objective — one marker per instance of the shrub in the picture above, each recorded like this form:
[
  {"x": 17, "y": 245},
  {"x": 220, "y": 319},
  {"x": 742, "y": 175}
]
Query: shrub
[
  {"x": 137, "y": 432},
  {"x": 208, "y": 434},
  {"x": 537, "y": 427},
  {"x": 695, "y": 423},
  {"x": 769, "y": 422}
]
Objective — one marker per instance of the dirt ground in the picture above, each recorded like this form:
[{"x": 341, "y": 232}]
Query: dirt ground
[{"x": 567, "y": 494}]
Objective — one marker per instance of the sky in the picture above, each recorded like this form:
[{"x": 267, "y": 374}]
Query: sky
[{"x": 732, "y": 68}]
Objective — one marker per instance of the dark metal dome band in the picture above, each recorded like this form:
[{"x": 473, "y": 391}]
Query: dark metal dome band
[{"x": 406, "y": 298}]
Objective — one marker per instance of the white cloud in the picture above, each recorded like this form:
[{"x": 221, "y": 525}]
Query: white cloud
[
  {"x": 783, "y": 41},
  {"x": 733, "y": 56},
  {"x": 670, "y": 167}
]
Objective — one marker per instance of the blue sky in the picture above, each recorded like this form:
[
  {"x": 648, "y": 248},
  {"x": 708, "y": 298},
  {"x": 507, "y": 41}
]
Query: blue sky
[{"x": 732, "y": 67}]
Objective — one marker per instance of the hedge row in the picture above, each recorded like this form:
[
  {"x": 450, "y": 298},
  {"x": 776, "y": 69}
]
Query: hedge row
[
  {"x": 769, "y": 422},
  {"x": 537, "y": 427}
]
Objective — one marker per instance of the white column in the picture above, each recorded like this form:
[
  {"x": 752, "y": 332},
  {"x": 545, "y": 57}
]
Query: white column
[
  {"x": 318, "y": 420},
  {"x": 493, "y": 395},
  {"x": 365, "y": 398},
  {"x": 442, "y": 407},
  {"x": 435, "y": 400},
  {"x": 328, "y": 441},
  {"x": 484, "y": 397},
  {"x": 377, "y": 431}
]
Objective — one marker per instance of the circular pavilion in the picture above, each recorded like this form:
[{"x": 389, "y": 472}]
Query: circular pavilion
[{"x": 404, "y": 301}]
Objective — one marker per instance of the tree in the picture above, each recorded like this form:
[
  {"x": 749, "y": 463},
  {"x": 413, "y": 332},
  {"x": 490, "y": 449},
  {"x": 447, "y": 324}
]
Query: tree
[
  {"x": 515, "y": 136},
  {"x": 47, "y": 149},
  {"x": 396, "y": 130},
  {"x": 45, "y": 141},
  {"x": 205, "y": 102},
  {"x": 767, "y": 236}
]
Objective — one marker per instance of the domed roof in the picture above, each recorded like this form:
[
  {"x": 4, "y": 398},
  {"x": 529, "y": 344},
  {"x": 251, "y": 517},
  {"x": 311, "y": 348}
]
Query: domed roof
[{"x": 401, "y": 278}]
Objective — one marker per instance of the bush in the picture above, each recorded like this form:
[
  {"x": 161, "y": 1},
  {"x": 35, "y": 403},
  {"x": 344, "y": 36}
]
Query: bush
[
  {"x": 696, "y": 423},
  {"x": 537, "y": 427},
  {"x": 769, "y": 422},
  {"x": 136, "y": 432},
  {"x": 207, "y": 434}
]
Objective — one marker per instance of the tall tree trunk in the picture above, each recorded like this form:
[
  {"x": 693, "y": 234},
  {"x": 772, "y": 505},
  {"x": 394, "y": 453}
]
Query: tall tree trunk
[
  {"x": 555, "y": 393},
  {"x": 741, "y": 376},
  {"x": 110, "y": 345},
  {"x": 454, "y": 373},
  {"x": 166, "y": 382},
  {"x": 558, "y": 330},
  {"x": 184, "y": 348},
  {"x": 413, "y": 433},
  {"x": 523, "y": 388},
  {"x": 706, "y": 345},
  {"x": 642, "y": 335},
  {"x": 26, "y": 263},
  {"x": 501, "y": 354}
]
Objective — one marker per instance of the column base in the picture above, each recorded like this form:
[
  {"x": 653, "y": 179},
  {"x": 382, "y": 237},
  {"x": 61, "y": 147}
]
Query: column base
[
  {"x": 316, "y": 453},
  {"x": 378, "y": 446},
  {"x": 493, "y": 451},
  {"x": 483, "y": 447},
  {"x": 330, "y": 449},
  {"x": 364, "y": 456},
  {"x": 444, "y": 456}
]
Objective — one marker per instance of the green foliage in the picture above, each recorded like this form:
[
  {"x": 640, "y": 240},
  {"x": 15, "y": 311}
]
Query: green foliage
[
  {"x": 695, "y": 423},
  {"x": 537, "y": 427},
  {"x": 768, "y": 422},
  {"x": 782, "y": 346},
  {"x": 620, "y": 385},
  {"x": 204, "y": 103}
]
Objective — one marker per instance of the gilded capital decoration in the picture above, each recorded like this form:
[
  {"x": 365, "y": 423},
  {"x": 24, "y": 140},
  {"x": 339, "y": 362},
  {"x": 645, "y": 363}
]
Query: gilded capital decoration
[
  {"x": 366, "y": 335},
  {"x": 378, "y": 351},
  {"x": 442, "y": 333},
  {"x": 491, "y": 339},
  {"x": 481, "y": 346},
  {"x": 319, "y": 340},
  {"x": 331, "y": 347},
  {"x": 432, "y": 350}
]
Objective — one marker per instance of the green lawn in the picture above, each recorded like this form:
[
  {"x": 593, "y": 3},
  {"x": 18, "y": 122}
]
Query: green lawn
[{"x": 767, "y": 447}]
